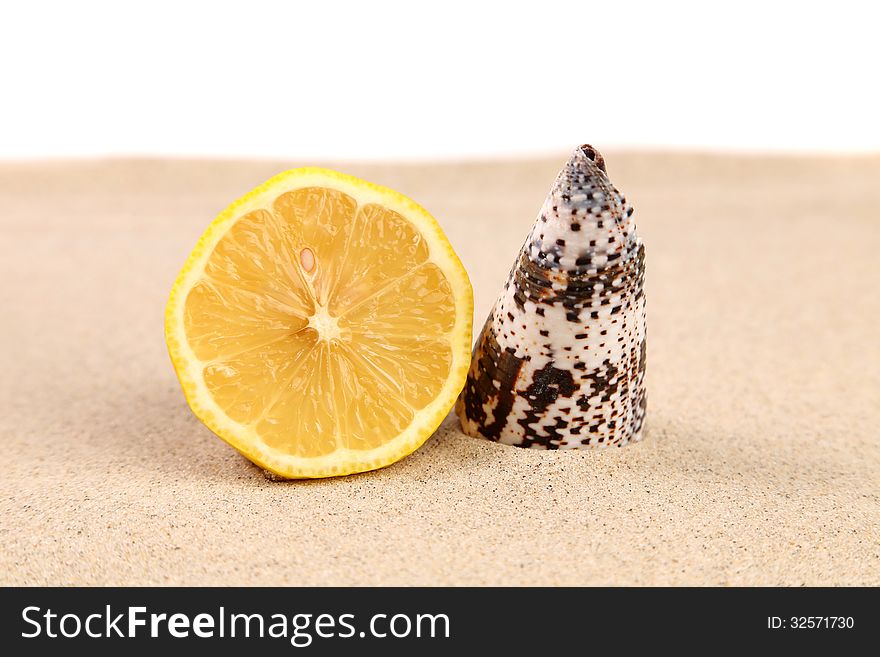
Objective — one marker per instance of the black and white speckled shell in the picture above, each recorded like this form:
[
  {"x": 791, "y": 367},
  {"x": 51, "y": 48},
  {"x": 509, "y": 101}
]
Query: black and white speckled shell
[{"x": 560, "y": 363}]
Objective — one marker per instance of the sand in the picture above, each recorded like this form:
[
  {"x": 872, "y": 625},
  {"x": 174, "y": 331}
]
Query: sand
[{"x": 761, "y": 461}]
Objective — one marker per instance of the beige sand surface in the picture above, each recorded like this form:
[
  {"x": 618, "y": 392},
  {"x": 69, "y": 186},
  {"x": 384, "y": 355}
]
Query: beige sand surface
[{"x": 762, "y": 458}]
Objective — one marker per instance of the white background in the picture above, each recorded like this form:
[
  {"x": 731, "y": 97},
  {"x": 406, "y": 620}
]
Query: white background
[{"x": 416, "y": 80}]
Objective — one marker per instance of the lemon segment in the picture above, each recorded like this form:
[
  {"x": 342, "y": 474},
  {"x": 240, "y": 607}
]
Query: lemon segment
[{"x": 322, "y": 325}]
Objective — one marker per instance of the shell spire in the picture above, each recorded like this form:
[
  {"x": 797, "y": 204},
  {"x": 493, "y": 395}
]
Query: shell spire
[{"x": 560, "y": 363}]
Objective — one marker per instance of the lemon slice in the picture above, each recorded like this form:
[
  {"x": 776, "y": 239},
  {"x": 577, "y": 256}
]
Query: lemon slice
[{"x": 322, "y": 325}]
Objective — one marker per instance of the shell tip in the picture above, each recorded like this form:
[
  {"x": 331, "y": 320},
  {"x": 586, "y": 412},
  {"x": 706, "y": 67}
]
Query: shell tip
[{"x": 593, "y": 155}]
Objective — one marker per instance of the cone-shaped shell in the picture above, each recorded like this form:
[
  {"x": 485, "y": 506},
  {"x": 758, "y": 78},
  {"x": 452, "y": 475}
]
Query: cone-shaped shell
[{"x": 560, "y": 363}]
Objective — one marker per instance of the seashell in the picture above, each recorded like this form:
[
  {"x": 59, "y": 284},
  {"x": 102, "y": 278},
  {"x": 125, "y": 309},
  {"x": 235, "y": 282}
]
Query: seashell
[{"x": 560, "y": 363}]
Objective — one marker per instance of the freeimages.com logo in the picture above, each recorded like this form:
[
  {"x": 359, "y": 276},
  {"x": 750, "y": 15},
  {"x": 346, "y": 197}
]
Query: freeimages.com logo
[{"x": 299, "y": 629}]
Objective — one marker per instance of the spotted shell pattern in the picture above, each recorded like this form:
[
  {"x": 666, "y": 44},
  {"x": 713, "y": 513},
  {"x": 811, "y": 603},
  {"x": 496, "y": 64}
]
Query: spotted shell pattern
[{"x": 560, "y": 362}]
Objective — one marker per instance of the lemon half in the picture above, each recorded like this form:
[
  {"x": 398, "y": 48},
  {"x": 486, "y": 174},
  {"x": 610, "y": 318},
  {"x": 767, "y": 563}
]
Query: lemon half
[{"x": 322, "y": 325}]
